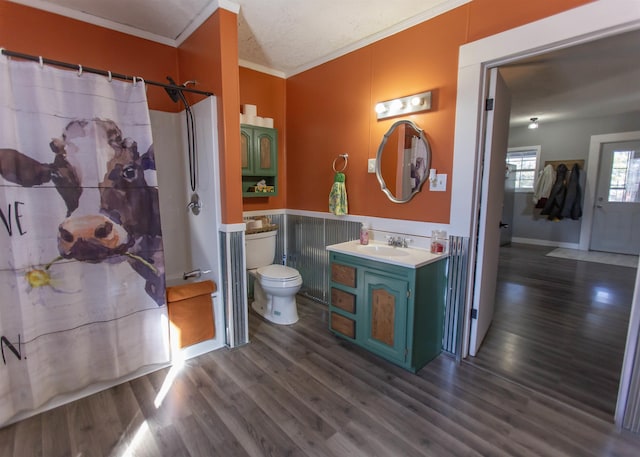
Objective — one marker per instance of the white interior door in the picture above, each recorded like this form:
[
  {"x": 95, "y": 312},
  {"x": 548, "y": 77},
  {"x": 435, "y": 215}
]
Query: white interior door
[
  {"x": 495, "y": 154},
  {"x": 616, "y": 216}
]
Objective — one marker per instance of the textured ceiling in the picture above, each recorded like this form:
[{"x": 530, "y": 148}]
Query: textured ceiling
[
  {"x": 281, "y": 36},
  {"x": 284, "y": 37}
]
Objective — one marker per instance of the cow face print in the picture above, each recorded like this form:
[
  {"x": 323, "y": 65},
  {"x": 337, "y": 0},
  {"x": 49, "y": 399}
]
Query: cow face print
[{"x": 124, "y": 225}]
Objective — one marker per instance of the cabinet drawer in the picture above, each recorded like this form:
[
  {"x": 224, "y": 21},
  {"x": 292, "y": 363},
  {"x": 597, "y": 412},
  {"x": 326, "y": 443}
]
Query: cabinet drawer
[
  {"x": 343, "y": 300},
  {"x": 343, "y": 325},
  {"x": 343, "y": 274}
]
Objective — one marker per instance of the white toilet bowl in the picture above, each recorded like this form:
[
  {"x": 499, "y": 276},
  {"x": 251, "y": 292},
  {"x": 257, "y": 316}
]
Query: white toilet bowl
[
  {"x": 274, "y": 293},
  {"x": 274, "y": 286}
]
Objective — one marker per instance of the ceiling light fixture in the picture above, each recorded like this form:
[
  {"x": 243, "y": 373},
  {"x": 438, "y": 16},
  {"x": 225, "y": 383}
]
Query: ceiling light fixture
[
  {"x": 404, "y": 105},
  {"x": 534, "y": 123}
]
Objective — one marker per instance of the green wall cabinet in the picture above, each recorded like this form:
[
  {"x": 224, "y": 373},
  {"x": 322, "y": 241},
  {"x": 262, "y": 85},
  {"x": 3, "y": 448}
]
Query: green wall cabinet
[
  {"x": 393, "y": 311},
  {"x": 259, "y": 158}
]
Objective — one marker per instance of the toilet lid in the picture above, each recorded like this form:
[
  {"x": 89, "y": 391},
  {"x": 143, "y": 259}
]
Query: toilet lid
[{"x": 278, "y": 272}]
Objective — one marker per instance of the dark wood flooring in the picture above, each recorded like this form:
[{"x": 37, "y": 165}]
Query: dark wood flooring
[
  {"x": 300, "y": 391},
  {"x": 560, "y": 326}
]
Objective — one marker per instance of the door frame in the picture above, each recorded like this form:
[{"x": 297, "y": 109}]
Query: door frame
[
  {"x": 575, "y": 26},
  {"x": 593, "y": 162}
]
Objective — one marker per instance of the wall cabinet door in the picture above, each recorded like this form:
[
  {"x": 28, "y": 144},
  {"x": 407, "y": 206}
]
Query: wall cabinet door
[
  {"x": 265, "y": 148},
  {"x": 246, "y": 150},
  {"x": 385, "y": 316},
  {"x": 258, "y": 151}
]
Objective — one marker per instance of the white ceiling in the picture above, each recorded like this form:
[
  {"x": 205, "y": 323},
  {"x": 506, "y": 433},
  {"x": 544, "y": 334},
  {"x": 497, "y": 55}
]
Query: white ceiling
[
  {"x": 285, "y": 37},
  {"x": 281, "y": 36},
  {"x": 596, "y": 79}
]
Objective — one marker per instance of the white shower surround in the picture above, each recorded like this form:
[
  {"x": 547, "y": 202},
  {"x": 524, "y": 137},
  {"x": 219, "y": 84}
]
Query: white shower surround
[{"x": 190, "y": 241}]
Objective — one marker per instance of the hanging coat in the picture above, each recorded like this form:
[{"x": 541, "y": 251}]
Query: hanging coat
[
  {"x": 555, "y": 202},
  {"x": 544, "y": 184},
  {"x": 572, "y": 203}
]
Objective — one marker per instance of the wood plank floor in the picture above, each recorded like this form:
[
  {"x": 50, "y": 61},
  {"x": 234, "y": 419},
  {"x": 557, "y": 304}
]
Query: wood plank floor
[
  {"x": 560, "y": 326},
  {"x": 299, "y": 391}
]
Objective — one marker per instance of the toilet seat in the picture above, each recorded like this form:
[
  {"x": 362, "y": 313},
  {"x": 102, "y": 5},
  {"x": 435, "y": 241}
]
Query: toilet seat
[{"x": 278, "y": 273}]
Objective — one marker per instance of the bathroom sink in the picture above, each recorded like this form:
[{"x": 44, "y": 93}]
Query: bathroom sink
[
  {"x": 382, "y": 250},
  {"x": 411, "y": 257}
]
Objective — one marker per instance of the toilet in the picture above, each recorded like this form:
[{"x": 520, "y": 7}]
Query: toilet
[{"x": 275, "y": 286}]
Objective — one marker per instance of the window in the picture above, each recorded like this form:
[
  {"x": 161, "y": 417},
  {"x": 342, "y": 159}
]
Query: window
[
  {"x": 625, "y": 177},
  {"x": 525, "y": 159}
]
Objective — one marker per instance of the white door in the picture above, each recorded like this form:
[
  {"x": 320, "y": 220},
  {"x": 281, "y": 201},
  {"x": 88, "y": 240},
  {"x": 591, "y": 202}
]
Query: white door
[
  {"x": 495, "y": 156},
  {"x": 616, "y": 216}
]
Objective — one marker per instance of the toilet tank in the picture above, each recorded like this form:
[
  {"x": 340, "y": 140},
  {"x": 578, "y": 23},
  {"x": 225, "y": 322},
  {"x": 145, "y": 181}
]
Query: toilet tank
[{"x": 260, "y": 249}]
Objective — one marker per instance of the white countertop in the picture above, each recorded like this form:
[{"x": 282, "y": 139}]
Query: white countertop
[{"x": 404, "y": 257}]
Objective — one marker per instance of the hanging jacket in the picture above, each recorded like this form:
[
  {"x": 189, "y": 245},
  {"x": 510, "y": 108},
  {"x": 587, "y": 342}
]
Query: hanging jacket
[
  {"x": 572, "y": 204},
  {"x": 544, "y": 184},
  {"x": 555, "y": 202}
]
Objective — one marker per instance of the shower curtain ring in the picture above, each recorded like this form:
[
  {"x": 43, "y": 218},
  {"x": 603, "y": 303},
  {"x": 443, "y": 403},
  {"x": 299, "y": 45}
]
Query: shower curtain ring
[
  {"x": 109, "y": 78},
  {"x": 79, "y": 70},
  {"x": 346, "y": 160},
  {"x": 41, "y": 61}
]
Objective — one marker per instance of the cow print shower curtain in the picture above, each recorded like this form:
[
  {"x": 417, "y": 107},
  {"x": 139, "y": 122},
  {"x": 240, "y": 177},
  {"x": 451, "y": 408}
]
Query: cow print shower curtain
[{"x": 82, "y": 295}]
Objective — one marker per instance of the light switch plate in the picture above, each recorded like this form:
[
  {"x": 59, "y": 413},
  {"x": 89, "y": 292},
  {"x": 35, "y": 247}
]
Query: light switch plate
[
  {"x": 371, "y": 166},
  {"x": 440, "y": 185}
]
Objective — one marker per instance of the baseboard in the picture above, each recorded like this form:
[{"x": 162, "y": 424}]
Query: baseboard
[{"x": 537, "y": 242}]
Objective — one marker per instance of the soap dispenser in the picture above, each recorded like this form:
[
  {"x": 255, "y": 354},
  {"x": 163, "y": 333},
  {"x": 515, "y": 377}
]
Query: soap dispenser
[{"x": 364, "y": 233}]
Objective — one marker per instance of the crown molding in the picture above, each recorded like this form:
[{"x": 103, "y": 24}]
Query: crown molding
[
  {"x": 88, "y": 18},
  {"x": 261, "y": 68}
]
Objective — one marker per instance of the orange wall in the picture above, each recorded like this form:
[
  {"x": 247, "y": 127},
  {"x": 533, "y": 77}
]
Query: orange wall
[
  {"x": 267, "y": 92},
  {"x": 330, "y": 111},
  {"x": 36, "y": 32},
  {"x": 488, "y": 17},
  {"x": 330, "y": 107},
  {"x": 210, "y": 56},
  {"x": 320, "y": 113}
]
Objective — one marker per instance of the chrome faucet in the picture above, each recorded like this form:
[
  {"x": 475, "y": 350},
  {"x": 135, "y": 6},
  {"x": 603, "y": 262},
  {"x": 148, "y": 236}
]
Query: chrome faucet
[
  {"x": 398, "y": 241},
  {"x": 194, "y": 273}
]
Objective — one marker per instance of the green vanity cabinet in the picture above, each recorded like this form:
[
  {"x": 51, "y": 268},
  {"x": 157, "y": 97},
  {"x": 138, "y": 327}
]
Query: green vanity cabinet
[
  {"x": 259, "y": 159},
  {"x": 393, "y": 311}
]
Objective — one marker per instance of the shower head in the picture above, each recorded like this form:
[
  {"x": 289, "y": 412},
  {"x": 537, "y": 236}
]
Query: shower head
[{"x": 175, "y": 94}]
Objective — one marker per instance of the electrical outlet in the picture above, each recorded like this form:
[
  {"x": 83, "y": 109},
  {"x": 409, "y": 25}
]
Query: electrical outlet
[
  {"x": 440, "y": 185},
  {"x": 371, "y": 166}
]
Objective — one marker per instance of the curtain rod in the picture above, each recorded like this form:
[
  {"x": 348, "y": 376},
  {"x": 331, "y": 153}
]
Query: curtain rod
[{"x": 96, "y": 71}]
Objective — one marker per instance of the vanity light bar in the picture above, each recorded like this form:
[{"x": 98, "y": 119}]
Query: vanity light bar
[{"x": 404, "y": 105}]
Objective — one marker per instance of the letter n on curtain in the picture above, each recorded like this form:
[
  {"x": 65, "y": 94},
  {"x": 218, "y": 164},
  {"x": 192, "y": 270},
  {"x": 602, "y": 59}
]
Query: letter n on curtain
[{"x": 81, "y": 256}]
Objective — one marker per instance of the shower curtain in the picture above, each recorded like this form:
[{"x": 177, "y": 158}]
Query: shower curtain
[{"x": 82, "y": 264}]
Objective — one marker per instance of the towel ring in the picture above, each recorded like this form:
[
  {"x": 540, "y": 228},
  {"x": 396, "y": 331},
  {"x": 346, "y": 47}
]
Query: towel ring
[{"x": 346, "y": 160}]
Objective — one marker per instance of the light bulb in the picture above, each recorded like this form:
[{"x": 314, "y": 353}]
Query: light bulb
[
  {"x": 416, "y": 101},
  {"x": 534, "y": 123},
  {"x": 380, "y": 108},
  {"x": 396, "y": 105}
]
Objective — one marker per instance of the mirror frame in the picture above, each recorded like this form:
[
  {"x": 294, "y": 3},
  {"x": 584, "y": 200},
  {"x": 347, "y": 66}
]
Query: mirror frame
[{"x": 383, "y": 185}]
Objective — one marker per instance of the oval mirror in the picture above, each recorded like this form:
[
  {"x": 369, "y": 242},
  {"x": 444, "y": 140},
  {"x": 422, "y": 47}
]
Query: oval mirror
[{"x": 403, "y": 161}]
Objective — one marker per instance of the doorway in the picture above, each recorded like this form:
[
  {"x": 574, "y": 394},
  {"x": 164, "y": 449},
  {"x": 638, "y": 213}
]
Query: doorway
[{"x": 572, "y": 27}]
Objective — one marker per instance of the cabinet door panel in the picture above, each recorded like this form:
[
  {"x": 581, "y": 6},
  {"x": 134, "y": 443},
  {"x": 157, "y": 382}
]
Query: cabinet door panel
[
  {"x": 265, "y": 152},
  {"x": 265, "y": 143},
  {"x": 245, "y": 153},
  {"x": 385, "y": 315}
]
